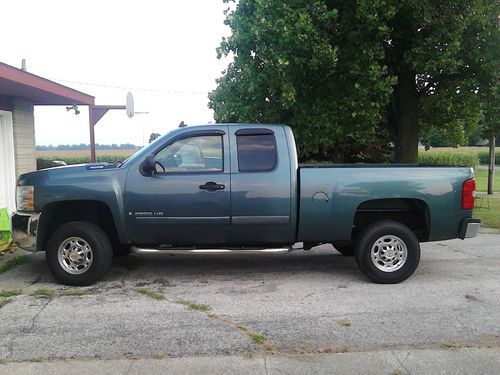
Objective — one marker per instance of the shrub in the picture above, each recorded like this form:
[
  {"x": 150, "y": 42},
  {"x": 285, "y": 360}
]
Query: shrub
[
  {"x": 484, "y": 157},
  {"x": 449, "y": 158}
]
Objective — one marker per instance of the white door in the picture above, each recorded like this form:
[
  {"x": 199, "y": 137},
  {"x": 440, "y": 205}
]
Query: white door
[{"x": 7, "y": 165}]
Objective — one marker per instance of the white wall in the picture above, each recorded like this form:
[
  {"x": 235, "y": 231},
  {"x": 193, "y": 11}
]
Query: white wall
[
  {"x": 7, "y": 163},
  {"x": 24, "y": 136}
]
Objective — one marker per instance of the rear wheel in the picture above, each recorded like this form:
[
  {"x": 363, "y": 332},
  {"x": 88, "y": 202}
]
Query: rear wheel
[
  {"x": 387, "y": 252},
  {"x": 79, "y": 253}
]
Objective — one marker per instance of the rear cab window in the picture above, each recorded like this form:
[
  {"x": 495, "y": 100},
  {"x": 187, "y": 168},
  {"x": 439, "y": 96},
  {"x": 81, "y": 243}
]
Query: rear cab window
[{"x": 256, "y": 150}]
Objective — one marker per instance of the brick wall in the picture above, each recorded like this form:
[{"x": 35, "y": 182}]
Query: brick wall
[{"x": 24, "y": 136}]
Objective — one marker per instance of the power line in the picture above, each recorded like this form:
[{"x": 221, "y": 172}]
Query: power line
[{"x": 181, "y": 92}]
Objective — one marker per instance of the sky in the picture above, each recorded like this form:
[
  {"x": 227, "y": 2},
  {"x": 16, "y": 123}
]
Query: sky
[{"x": 161, "y": 51}]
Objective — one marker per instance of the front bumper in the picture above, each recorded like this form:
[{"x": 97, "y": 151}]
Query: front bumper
[
  {"x": 24, "y": 228},
  {"x": 469, "y": 228}
]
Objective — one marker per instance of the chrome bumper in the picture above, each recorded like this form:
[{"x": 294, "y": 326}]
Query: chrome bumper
[
  {"x": 469, "y": 228},
  {"x": 24, "y": 227}
]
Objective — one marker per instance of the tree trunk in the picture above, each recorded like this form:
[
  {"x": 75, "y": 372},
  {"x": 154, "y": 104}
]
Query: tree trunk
[
  {"x": 405, "y": 118},
  {"x": 491, "y": 166}
]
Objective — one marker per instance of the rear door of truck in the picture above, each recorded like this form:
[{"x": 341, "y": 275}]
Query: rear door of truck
[{"x": 260, "y": 185}]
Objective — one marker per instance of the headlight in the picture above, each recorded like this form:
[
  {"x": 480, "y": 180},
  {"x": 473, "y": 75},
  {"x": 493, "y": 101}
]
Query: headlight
[{"x": 25, "y": 198}]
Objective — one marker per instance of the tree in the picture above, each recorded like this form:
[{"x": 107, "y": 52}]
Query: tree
[
  {"x": 439, "y": 52},
  {"x": 154, "y": 136},
  {"x": 350, "y": 77}
]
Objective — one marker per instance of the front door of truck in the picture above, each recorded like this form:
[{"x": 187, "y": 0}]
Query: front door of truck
[{"x": 187, "y": 200}]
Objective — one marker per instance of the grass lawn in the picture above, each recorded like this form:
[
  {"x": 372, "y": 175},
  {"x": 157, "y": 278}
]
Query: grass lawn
[
  {"x": 489, "y": 217},
  {"x": 482, "y": 180}
]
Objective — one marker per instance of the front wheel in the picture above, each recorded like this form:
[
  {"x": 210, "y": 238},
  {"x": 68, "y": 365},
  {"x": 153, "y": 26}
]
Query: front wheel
[
  {"x": 387, "y": 252},
  {"x": 79, "y": 253}
]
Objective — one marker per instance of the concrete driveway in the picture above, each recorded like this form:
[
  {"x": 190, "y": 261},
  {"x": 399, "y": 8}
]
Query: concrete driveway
[{"x": 312, "y": 309}]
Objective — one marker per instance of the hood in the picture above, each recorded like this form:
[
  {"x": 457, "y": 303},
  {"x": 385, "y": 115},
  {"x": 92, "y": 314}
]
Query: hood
[{"x": 42, "y": 176}]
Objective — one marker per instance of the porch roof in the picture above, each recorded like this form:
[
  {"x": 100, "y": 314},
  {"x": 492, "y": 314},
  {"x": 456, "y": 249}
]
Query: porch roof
[{"x": 18, "y": 83}]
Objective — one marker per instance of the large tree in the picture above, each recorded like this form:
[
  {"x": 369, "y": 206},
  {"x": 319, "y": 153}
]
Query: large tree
[{"x": 353, "y": 76}]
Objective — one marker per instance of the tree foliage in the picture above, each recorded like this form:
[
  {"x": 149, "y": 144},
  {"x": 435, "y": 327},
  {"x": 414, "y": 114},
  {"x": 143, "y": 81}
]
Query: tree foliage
[{"x": 351, "y": 77}]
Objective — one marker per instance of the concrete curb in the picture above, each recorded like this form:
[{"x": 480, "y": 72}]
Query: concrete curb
[{"x": 428, "y": 361}]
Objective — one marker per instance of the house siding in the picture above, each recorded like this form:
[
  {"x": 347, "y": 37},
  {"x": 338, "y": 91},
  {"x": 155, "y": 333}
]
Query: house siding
[{"x": 23, "y": 120}]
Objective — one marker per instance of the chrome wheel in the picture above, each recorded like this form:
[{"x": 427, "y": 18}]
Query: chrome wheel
[
  {"x": 75, "y": 255},
  {"x": 389, "y": 253}
]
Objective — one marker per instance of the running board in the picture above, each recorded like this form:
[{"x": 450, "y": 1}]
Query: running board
[{"x": 179, "y": 251}]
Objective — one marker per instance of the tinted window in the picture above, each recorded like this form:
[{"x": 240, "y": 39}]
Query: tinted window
[
  {"x": 256, "y": 153},
  {"x": 195, "y": 154}
]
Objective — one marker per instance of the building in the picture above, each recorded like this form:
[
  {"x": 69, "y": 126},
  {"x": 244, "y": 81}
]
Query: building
[{"x": 20, "y": 91}]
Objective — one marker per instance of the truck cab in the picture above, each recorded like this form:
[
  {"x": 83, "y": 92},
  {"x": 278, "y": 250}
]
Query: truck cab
[{"x": 231, "y": 185}]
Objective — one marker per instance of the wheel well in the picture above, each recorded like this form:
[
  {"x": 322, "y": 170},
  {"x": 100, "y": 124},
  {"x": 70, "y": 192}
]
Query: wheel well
[
  {"x": 414, "y": 213},
  {"x": 58, "y": 213}
]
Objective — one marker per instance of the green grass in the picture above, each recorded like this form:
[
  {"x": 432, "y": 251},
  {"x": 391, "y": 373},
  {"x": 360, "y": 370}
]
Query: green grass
[
  {"x": 258, "y": 339},
  {"x": 43, "y": 292},
  {"x": 198, "y": 307},
  {"x": 3, "y": 302},
  {"x": 75, "y": 293},
  {"x": 451, "y": 345},
  {"x": 11, "y": 293},
  {"x": 344, "y": 323},
  {"x": 14, "y": 262},
  {"x": 248, "y": 355},
  {"x": 151, "y": 294},
  {"x": 489, "y": 217},
  {"x": 344, "y": 349},
  {"x": 482, "y": 180}
]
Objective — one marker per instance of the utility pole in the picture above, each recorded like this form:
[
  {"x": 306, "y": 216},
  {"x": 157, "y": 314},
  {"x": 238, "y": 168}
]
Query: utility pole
[{"x": 491, "y": 166}]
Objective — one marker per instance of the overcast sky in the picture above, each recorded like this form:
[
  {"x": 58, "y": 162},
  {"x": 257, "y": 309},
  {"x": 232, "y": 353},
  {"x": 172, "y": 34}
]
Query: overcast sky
[{"x": 163, "y": 46}]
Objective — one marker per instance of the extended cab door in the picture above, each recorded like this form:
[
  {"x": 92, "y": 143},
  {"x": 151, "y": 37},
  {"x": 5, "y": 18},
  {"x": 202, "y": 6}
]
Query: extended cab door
[
  {"x": 260, "y": 185},
  {"x": 187, "y": 200}
]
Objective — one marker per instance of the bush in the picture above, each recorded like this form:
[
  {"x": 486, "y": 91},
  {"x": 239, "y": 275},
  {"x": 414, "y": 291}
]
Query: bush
[
  {"x": 452, "y": 159},
  {"x": 45, "y": 162},
  {"x": 484, "y": 157}
]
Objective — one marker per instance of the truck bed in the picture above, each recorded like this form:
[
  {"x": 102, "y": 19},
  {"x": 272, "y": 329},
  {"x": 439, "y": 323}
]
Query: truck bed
[{"x": 331, "y": 195}]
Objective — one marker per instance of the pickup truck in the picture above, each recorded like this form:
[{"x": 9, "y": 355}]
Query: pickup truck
[{"x": 240, "y": 188}]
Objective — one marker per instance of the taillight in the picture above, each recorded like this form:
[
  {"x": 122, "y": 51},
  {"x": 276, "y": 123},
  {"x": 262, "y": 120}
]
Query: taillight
[{"x": 468, "y": 194}]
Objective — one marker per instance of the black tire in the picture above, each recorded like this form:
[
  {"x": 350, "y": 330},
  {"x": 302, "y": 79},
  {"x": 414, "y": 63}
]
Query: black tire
[
  {"x": 101, "y": 254},
  {"x": 369, "y": 237},
  {"x": 345, "y": 250}
]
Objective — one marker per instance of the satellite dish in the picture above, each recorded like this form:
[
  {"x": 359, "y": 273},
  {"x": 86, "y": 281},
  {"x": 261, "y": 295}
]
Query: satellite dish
[{"x": 129, "y": 106}]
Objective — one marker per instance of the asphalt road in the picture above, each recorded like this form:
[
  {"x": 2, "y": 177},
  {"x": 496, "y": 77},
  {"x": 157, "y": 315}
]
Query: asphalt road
[{"x": 302, "y": 303}]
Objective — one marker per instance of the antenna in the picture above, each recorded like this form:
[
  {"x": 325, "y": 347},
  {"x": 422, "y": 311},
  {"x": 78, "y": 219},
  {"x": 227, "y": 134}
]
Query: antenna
[{"x": 182, "y": 125}]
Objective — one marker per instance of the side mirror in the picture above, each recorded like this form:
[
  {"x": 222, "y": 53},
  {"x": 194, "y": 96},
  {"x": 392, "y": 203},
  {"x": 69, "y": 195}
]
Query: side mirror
[{"x": 147, "y": 167}]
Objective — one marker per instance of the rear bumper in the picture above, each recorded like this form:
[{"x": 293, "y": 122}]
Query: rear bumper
[
  {"x": 24, "y": 229},
  {"x": 469, "y": 228}
]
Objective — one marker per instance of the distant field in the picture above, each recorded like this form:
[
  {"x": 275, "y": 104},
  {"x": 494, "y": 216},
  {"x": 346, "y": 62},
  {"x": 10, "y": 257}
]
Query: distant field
[
  {"x": 458, "y": 155},
  {"x": 83, "y": 153},
  {"x": 460, "y": 149}
]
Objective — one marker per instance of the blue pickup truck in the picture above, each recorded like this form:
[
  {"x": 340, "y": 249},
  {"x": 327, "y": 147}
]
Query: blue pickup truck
[{"x": 239, "y": 188}]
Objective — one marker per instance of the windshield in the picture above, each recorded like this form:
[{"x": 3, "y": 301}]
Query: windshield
[{"x": 148, "y": 149}]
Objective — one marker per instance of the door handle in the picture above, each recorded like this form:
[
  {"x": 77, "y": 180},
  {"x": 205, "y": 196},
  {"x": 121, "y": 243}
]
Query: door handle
[{"x": 212, "y": 186}]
